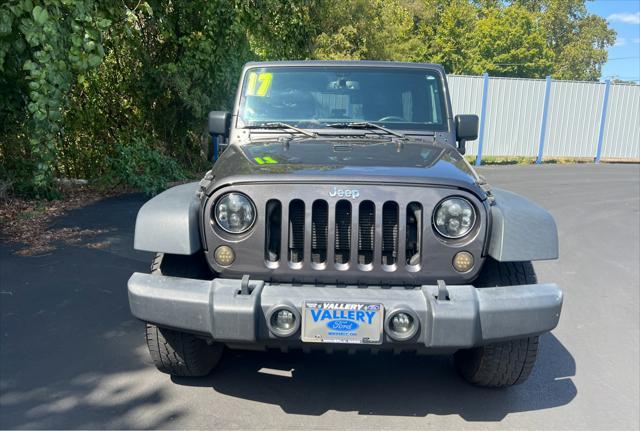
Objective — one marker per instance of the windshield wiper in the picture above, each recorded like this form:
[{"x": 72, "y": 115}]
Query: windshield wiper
[
  {"x": 364, "y": 125},
  {"x": 283, "y": 126}
]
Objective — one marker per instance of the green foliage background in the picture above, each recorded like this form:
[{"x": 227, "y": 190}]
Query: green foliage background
[{"x": 117, "y": 92}]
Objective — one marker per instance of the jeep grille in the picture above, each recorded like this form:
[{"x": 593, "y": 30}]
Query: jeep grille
[{"x": 344, "y": 235}]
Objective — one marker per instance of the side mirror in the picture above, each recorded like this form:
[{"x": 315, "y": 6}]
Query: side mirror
[
  {"x": 219, "y": 122},
  {"x": 466, "y": 130}
]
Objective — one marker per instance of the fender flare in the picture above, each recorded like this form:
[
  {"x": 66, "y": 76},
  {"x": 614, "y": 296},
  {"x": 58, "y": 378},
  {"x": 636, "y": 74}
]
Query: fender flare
[
  {"x": 521, "y": 230},
  {"x": 168, "y": 223}
]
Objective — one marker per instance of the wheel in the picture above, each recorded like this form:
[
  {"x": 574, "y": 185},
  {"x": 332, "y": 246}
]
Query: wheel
[
  {"x": 505, "y": 363},
  {"x": 174, "y": 352}
]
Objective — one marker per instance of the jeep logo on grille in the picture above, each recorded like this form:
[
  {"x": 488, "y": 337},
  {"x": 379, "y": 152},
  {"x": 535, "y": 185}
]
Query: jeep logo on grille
[{"x": 344, "y": 193}]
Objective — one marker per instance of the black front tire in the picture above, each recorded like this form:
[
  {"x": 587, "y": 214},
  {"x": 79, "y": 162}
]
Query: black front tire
[
  {"x": 181, "y": 354},
  {"x": 505, "y": 363},
  {"x": 174, "y": 352}
]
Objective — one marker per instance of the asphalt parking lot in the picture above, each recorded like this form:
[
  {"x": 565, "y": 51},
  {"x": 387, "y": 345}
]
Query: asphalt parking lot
[{"x": 71, "y": 355}]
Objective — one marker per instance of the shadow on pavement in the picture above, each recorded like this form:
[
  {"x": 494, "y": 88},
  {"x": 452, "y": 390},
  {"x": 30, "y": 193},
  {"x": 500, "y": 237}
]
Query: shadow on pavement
[
  {"x": 70, "y": 349},
  {"x": 386, "y": 384}
]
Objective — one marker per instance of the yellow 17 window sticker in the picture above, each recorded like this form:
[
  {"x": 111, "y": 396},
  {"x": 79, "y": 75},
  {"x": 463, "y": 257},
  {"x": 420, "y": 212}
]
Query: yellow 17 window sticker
[{"x": 262, "y": 81}]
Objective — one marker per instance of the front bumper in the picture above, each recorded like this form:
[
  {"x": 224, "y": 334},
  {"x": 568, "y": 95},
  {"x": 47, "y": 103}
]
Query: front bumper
[{"x": 468, "y": 317}]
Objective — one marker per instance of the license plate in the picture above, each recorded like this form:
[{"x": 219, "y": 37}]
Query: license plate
[{"x": 342, "y": 322}]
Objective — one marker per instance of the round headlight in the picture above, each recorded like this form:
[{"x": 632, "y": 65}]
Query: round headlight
[
  {"x": 235, "y": 213},
  {"x": 454, "y": 217}
]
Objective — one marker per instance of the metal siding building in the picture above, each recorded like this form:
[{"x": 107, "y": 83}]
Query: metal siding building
[
  {"x": 513, "y": 102},
  {"x": 514, "y": 113},
  {"x": 622, "y": 126},
  {"x": 574, "y": 119},
  {"x": 466, "y": 94}
]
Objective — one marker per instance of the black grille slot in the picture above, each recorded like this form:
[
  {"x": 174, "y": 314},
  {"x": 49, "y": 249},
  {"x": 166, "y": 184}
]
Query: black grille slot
[
  {"x": 366, "y": 232},
  {"x": 389, "y": 233},
  {"x": 273, "y": 221},
  {"x": 343, "y": 232},
  {"x": 319, "y": 231},
  {"x": 414, "y": 233},
  {"x": 296, "y": 231}
]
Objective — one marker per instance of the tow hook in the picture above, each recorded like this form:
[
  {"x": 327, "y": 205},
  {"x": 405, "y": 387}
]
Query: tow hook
[
  {"x": 443, "y": 294},
  {"x": 244, "y": 286}
]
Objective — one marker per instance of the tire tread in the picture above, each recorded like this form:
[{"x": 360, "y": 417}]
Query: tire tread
[
  {"x": 173, "y": 352},
  {"x": 504, "y": 363},
  {"x": 179, "y": 353}
]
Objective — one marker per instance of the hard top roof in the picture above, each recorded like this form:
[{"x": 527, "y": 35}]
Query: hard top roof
[{"x": 346, "y": 63}]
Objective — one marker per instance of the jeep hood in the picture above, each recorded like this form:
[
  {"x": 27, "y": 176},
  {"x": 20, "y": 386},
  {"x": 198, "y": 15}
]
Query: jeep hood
[{"x": 346, "y": 161}]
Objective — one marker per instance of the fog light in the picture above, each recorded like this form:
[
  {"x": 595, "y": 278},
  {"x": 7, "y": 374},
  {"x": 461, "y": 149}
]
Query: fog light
[
  {"x": 463, "y": 261},
  {"x": 224, "y": 255},
  {"x": 284, "y": 320},
  {"x": 401, "y": 323}
]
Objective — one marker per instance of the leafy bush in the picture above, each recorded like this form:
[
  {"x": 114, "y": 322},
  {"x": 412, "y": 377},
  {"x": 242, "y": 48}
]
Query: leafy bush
[{"x": 140, "y": 165}]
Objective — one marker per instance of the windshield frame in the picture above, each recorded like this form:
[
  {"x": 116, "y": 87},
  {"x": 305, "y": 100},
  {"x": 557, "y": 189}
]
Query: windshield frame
[{"x": 447, "y": 124}]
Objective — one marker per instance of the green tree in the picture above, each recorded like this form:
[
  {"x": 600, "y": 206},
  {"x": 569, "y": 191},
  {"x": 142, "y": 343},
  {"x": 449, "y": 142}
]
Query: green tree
[
  {"x": 526, "y": 38},
  {"x": 511, "y": 42},
  {"x": 280, "y": 30},
  {"x": 364, "y": 30},
  {"x": 578, "y": 39},
  {"x": 449, "y": 35}
]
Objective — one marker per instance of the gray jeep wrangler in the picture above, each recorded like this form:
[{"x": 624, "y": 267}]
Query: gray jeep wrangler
[{"x": 340, "y": 214}]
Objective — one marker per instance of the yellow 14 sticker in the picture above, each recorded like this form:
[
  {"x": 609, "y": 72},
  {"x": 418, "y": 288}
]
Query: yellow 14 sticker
[{"x": 262, "y": 81}]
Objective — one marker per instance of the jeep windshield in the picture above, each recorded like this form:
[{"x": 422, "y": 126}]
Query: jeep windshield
[{"x": 315, "y": 97}]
